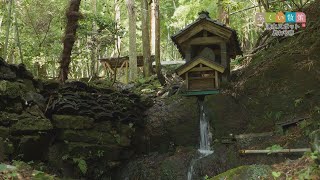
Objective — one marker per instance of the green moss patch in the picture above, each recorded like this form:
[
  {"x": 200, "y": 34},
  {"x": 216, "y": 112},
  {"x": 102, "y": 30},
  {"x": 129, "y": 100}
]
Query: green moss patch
[{"x": 72, "y": 122}]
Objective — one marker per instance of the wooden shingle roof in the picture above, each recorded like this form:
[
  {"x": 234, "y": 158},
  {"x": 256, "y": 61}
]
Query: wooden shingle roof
[{"x": 204, "y": 18}]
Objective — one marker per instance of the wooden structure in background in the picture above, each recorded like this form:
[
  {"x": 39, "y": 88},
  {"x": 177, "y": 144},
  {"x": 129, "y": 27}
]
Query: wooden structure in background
[
  {"x": 121, "y": 63},
  {"x": 207, "y": 46}
]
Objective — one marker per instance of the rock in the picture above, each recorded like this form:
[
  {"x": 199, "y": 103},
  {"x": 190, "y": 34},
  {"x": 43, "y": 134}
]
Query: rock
[
  {"x": 2, "y": 156},
  {"x": 176, "y": 120},
  {"x": 11, "y": 89},
  {"x": 86, "y": 150},
  {"x": 225, "y": 115},
  {"x": 4, "y": 132},
  {"x": 15, "y": 106},
  {"x": 38, "y": 99},
  {"x": 23, "y": 73},
  {"x": 103, "y": 126},
  {"x": 72, "y": 122},
  {"x": 34, "y": 147},
  {"x": 6, "y": 73},
  {"x": 29, "y": 85},
  {"x": 246, "y": 172},
  {"x": 7, "y": 119},
  {"x": 87, "y": 136},
  {"x": 28, "y": 123}
]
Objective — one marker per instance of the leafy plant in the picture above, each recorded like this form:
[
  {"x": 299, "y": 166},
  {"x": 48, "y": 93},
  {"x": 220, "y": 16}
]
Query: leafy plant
[
  {"x": 274, "y": 148},
  {"x": 314, "y": 155},
  {"x": 276, "y": 174},
  {"x": 317, "y": 109},
  {"x": 278, "y": 115},
  {"x": 297, "y": 102},
  {"x": 65, "y": 157},
  {"x": 81, "y": 164}
]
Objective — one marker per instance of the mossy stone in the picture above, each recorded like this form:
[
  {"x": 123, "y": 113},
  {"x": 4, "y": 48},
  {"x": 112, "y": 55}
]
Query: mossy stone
[
  {"x": 86, "y": 150},
  {"x": 72, "y": 122},
  {"x": 4, "y": 132},
  {"x": 34, "y": 147},
  {"x": 12, "y": 89},
  {"x": 30, "y": 124},
  {"x": 6, "y": 119},
  {"x": 87, "y": 136},
  {"x": 249, "y": 172}
]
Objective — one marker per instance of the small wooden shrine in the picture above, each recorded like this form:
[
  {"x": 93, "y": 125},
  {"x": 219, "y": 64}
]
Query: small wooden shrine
[{"x": 207, "y": 46}]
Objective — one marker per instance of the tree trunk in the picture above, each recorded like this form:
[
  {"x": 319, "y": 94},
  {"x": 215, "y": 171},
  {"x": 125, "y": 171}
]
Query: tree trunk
[
  {"x": 94, "y": 42},
  {"x": 152, "y": 28},
  {"x": 220, "y": 11},
  {"x": 145, "y": 39},
  {"x": 17, "y": 35},
  {"x": 117, "y": 19},
  {"x": 1, "y": 18},
  {"x": 157, "y": 42},
  {"x": 5, "y": 49},
  {"x": 73, "y": 15},
  {"x": 133, "y": 69}
]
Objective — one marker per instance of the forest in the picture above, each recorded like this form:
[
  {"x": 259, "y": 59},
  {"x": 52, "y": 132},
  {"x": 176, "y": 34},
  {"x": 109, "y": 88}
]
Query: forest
[{"x": 150, "y": 89}]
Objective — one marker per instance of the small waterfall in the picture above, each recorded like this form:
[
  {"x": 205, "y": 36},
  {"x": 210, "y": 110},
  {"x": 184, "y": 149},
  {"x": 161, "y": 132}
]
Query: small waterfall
[{"x": 205, "y": 138}]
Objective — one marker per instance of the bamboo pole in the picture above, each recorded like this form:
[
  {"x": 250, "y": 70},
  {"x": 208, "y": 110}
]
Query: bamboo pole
[{"x": 264, "y": 151}]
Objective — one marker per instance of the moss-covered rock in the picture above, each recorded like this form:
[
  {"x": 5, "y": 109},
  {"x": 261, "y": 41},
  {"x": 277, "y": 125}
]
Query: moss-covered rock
[
  {"x": 28, "y": 123},
  {"x": 7, "y": 119},
  {"x": 86, "y": 150},
  {"x": 87, "y": 136},
  {"x": 225, "y": 115},
  {"x": 6, "y": 73},
  {"x": 34, "y": 147},
  {"x": 4, "y": 132},
  {"x": 12, "y": 89},
  {"x": 249, "y": 172},
  {"x": 174, "y": 121},
  {"x": 72, "y": 122}
]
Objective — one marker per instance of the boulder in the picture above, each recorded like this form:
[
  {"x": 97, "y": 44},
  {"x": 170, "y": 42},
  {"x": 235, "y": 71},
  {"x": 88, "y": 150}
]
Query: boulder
[
  {"x": 34, "y": 147},
  {"x": 72, "y": 122},
  {"x": 87, "y": 136},
  {"x": 173, "y": 121},
  {"x": 28, "y": 123},
  {"x": 6, "y": 73},
  {"x": 226, "y": 116},
  {"x": 7, "y": 119},
  {"x": 87, "y": 150},
  {"x": 4, "y": 132},
  {"x": 12, "y": 89}
]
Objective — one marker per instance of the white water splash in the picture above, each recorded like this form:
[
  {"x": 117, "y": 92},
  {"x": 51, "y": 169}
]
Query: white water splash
[{"x": 205, "y": 139}]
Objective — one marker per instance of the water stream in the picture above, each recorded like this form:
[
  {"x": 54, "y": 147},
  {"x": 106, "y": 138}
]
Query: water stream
[{"x": 205, "y": 138}]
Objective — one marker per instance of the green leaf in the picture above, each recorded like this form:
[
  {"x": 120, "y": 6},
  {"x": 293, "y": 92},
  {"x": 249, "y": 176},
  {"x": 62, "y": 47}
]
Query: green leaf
[{"x": 276, "y": 174}]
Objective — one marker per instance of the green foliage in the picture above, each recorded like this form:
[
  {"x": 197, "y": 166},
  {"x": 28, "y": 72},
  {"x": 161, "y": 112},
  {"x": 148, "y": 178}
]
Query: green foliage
[
  {"x": 315, "y": 155},
  {"x": 317, "y": 109},
  {"x": 3, "y": 167},
  {"x": 297, "y": 102},
  {"x": 81, "y": 164},
  {"x": 276, "y": 174},
  {"x": 274, "y": 148}
]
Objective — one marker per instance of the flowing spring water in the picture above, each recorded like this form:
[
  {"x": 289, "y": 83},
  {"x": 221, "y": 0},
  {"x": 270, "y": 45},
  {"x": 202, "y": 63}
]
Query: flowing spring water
[{"x": 205, "y": 139}]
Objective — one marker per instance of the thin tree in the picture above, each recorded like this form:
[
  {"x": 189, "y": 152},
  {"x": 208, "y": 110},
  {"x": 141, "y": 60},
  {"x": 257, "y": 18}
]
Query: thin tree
[
  {"x": 152, "y": 27},
  {"x": 73, "y": 15},
  {"x": 157, "y": 43},
  {"x": 5, "y": 49},
  {"x": 147, "y": 64},
  {"x": 133, "y": 69},
  {"x": 94, "y": 42},
  {"x": 17, "y": 34}
]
